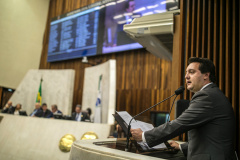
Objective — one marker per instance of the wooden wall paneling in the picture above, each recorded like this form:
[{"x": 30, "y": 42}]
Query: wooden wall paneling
[
  {"x": 194, "y": 28},
  {"x": 210, "y": 30},
  {"x": 158, "y": 98},
  {"x": 123, "y": 72},
  {"x": 216, "y": 36},
  {"x": 238, "y": 80},
  {"x": 146, "y": 96},
  {"x": 131, "y": 71},
  {"x": 228, "y": 51},
  {"x": 178, "y": 52},
  {"x": 128, "y": 100},
  {"x": 137, "y": 70},
  {"x": 128, "y": 72},
  {"x": 181, "y": 35},
  {"x": 153, "y": 98},
  {"x": 150, "y": 72},
  {"x": 161, "y": 98},
  {"x": 199, "y": 29},
  {"x": 134, "y": 100},
  {"x": 60, "y": 7},
  {"x": 6, "y": 95},
  {"x": 77, "y": 4},
  {"x": 145, "y": 72},
  {"x": 83, "y": 3},
  {"x": 139, "y": 103},
  {"x": 234, "y": 57},
  {"x": 222, "y": 46},
  {"x": 188, "y": 38},
  {"x": 154, "y": 70},
  {"x": 204, "y": 28},
  {"x": 235, "y": 69}
]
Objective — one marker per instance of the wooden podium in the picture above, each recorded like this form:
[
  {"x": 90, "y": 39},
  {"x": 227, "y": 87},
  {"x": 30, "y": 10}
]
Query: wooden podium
[{"x": 113, "y": 149}]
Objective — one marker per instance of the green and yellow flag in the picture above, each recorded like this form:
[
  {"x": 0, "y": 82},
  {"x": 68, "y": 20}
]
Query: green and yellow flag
[{"x": 39, "y": 95}]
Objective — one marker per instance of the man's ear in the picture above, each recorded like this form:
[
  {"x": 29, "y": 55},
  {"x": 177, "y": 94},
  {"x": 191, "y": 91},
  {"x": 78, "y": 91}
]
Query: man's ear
[{"x": 206, "y": 76}]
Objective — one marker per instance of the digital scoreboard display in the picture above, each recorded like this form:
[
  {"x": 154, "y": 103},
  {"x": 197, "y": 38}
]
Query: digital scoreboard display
[{"x": 74, "y": 36}]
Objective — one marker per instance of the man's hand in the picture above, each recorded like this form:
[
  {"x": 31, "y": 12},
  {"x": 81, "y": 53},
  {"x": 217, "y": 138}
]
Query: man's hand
[
  {"x": 174, "y": 144},
  {"x": 137, "y": 134}
]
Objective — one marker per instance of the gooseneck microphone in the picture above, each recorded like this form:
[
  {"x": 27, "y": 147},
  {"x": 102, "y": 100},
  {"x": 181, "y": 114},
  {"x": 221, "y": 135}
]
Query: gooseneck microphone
[{"x": 177, "y": 92}]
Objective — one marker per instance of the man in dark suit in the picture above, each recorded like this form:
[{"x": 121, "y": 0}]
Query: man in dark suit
[
  {"x": 209, "y": 118},
  {"x": 44, "y": 112},
  {"x": 7, "y": 107},
  {"x": 36, "y": 110},
  {"x": 78, "y": 115}
]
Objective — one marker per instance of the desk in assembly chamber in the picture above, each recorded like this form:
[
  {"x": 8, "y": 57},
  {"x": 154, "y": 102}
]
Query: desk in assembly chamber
[{"x": 107, "y": 149}]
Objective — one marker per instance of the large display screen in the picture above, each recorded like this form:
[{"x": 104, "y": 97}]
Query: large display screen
[
  {"x": 98, "y": 28},
  {"x": 74, "y": 36}
]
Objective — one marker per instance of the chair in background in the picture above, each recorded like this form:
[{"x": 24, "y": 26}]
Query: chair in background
[{"x": 181, "y": 105}]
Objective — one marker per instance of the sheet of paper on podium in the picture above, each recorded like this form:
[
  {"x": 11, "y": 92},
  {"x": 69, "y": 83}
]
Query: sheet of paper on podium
[{"x": 143, "y": 126}]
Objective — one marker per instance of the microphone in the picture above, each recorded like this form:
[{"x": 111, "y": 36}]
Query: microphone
[{"x": 177, "y": 92}]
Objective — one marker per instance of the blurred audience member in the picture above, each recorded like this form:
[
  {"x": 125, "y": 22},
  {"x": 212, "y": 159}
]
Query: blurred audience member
[
  {"x": 16, "y": 110},
  {"x": 117, "y": 131},
  {"x": 78, "y": 115},
  {"x": 7, "y": 107},
  {"x": 45, "y": 112},
  {"x": 55, "y": 109},
  {"x": 37, "y": 109},
  {"x": 89, "y": 112}
]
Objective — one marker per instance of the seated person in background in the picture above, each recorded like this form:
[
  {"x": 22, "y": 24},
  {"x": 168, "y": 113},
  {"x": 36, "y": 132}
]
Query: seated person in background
[
  {"x": 78, "y": 115},
  {"x": 7, "y": 107},
  {"x": 117, "y": 131},
  {"x": 37, "y": 109},
  {"x": 17, "y": 110},
  {"x": 89, "y": 112},
  {"x": 45, "y": 113},
  {"x": 55, "y": 109}
]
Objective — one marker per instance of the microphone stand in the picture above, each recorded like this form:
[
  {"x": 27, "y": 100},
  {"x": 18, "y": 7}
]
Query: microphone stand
[{"x": 129, "y": 125}]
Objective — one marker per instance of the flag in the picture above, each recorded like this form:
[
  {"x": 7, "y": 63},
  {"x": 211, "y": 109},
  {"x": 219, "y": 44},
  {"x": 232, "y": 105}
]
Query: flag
[
  {"x": 39, "y": 95},
  {"x": 98, "y": 107}
]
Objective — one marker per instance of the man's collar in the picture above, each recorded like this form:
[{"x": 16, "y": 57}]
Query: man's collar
[{"x": 206, "y": 85}]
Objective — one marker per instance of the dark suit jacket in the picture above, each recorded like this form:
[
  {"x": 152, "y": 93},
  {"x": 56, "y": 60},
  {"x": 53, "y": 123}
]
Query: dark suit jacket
[
  {"x": 83, "y": 117},
  {"x": 47, "y": 114},
  {"x": 211, "y": 125},
  {"x": 7, "y": 110}
]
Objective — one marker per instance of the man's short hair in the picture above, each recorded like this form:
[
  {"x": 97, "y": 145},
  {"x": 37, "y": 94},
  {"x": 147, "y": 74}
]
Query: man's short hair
[
  {"x": 44, "y": 104},
  {"x": 55, "y": 106},
  {"x": 78, "y": 105},
  {"x": 205, "y": 66}
]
